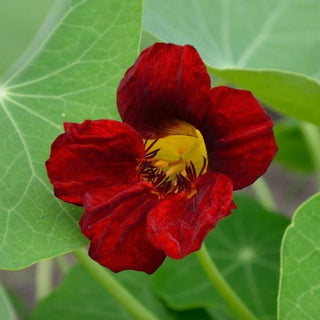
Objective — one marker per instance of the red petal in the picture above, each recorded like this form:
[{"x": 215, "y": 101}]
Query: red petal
[
  {"x": 115, "y": 222},
  {"x": 179, "y": 224},
  {"x": 166, "y": 82},
  {"x": 92, "y": 155},
  {"x": 238, "y": 134}
]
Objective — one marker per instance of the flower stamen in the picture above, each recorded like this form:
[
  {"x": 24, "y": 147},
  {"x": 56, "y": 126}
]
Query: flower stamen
[{"x": 173, "y": 161}]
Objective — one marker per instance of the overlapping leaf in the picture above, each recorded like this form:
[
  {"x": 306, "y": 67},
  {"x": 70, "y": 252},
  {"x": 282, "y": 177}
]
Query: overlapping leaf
[
  {"x": 290, "y": 93},
  {"x": 74, "y": 77},
  {"x": 268, "y": 47},
  {"x": 299, "y": 293}
]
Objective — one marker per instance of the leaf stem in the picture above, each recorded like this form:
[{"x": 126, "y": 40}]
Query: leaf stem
[
  {"x": 6, "y": 308},
  {"x": 218, "y": 281},
  {"x": 312, "y": 135},
  {"x": 264, "y": 194},
  {"x": 106, "y": 280},
  {"x": 43, "y": 279}
]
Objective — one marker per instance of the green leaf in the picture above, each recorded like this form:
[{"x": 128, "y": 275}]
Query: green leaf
[
  {"x": 87, "y": 300},
  {"x": 20, "y": 24},
  {"x": 290, "y": 93},
  {"x": 7, "y": 311},
  {"x": 293, "y": 151},
  {"x": 74, "y": 77},
  {"x": 245, "y": 247},
  {"x": 147, "y": 39},
  {"x": 299, "y": 293},
  {"x": 244, "y": 34},
  {"x": 249, "y": 34},
  {"x": 251, "y": 44}
]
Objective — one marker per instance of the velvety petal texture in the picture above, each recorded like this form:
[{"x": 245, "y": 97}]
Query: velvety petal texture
[
  {"x": 166, "y": 82},
  {"x": 92, "y": 155},
  {"x": 180, "y": 222},
  {"x": 141, "y": 205},
  {"x": 115, "y": 222},
  {"x": 238, "y": 135}
]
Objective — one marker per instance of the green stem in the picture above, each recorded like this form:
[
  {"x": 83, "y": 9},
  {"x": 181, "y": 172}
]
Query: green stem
[
  {"x": 106, "y": 280},
  {"x": 264, "y": 194},
  {"x": 312, "y": 135},
  {"x": 233, "y": 300},
  {"x": 43, "y": 279}
]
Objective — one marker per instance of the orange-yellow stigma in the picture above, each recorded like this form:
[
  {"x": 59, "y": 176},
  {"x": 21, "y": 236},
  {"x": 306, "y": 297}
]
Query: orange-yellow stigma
[{"x": 175, "y": 158}]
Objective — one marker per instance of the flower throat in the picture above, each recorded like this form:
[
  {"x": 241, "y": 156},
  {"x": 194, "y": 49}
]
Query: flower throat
[{"x": 175, "y": 158}]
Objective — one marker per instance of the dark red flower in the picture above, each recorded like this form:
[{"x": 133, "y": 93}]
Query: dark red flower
[{"x": 155, "y": 185}]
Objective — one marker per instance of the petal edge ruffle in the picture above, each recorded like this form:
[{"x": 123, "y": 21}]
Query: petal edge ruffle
[
  {"x": 91, "y": 155},
  {"x": 180, "y": 222},
  {"x": 238, "y": 135},
  {"x": 115, "y": 222}
]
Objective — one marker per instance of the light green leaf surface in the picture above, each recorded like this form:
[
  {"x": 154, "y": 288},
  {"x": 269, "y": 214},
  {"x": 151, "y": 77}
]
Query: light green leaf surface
[
  {"x": 251, "y": 44},
  {"x": 299, "y": 294},
  {"x": 20, "y": 23},
  {"x": 273, "y": 34},
  {"x": 293, "y": 151},
  {"x": 92, "y": 302},
  {"x": 7, "y": 311},
  {"x": 74, "y": 77},
  {"x": 245, "y": 247}
]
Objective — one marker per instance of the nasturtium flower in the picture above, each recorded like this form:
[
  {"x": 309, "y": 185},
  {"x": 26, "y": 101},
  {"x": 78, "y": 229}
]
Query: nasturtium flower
[{"x": 155, "y": 184}]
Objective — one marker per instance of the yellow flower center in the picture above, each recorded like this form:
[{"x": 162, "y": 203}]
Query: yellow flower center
[{"x": 175, "y": 157}]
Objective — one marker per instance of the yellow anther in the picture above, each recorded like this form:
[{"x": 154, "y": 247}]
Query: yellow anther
[
  {"x": 161, "y": 164},
  {"x": 183, "y": 173},
  {"x": 173, "y": 169},
  {"x": 192, "y": 193}
]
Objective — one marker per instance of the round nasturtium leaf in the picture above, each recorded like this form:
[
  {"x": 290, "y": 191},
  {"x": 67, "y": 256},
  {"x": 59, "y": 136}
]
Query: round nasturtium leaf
[
  {"x": 299, "y": 292},
  {"x": 73, "y": 77}
]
